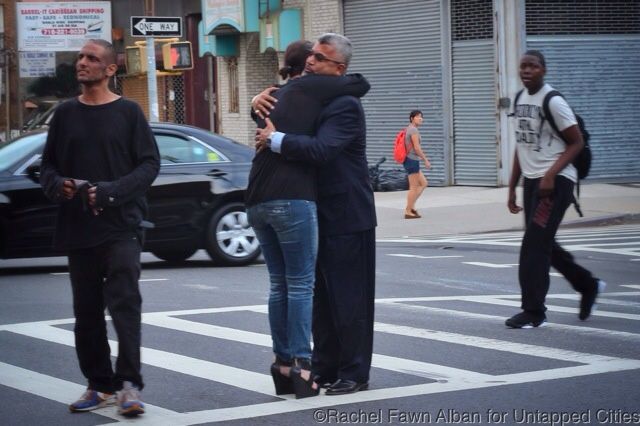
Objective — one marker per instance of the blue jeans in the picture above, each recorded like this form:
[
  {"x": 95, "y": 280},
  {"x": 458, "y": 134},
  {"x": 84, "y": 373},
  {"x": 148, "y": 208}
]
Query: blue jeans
[{"x": 288, "y": 234}]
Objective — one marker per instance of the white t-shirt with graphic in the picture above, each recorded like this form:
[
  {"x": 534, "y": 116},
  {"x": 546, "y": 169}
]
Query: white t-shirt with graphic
[{"x": 538, "y": 149}]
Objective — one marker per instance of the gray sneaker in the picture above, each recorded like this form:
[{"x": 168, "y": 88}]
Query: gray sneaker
[
  {"x": 92, "y": 400},
  {"x": 129, "y": 402}
]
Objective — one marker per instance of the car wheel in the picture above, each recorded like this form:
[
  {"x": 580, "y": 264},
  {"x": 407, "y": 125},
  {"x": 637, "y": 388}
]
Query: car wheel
[
  {"x": 230, "y": 240},
  {"x": 174, "y": 256}
]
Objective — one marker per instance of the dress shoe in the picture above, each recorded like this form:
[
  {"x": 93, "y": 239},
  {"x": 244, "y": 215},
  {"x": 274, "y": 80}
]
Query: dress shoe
[
  {"x": 322, "y": 382},
  {"x": 343, "y": 387}
]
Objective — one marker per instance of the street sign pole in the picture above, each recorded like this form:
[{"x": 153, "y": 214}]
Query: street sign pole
[
  {"x": 150, "y": 27},
  {"x": 152, "y": 84}
]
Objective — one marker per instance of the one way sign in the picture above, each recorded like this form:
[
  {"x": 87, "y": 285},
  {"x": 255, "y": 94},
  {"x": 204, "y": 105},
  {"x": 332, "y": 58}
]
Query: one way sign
[{"x": 156, "y": 26}]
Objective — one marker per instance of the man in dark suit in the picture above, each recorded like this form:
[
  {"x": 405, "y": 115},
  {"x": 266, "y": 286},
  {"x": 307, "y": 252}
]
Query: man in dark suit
[{"x": 345, "y": 279}]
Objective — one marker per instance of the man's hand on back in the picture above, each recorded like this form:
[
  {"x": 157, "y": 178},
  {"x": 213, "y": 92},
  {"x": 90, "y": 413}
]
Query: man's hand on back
[
  {"x": 263, "y": 103},
  {"x": 263, "y": 134}
]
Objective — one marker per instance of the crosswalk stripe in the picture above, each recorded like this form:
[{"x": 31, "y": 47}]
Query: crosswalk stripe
[
  {"x": 448, "y": 379},
  {"x": 500, "y": 300},
  {"x": 416, "y": 368},
  {"x": 255, "y": 382},
  {"x": 322, "y": 401},
  {"x": 554, "y": 308},
  {"x": 491, "y": 265},
  {"x": 618, "y": 240},
  {"x": 491, "y": 344},
  {"x": 420, "y": 257},
  {"x": 62, "y": 391},
  {"x": 581, "y": 329}
]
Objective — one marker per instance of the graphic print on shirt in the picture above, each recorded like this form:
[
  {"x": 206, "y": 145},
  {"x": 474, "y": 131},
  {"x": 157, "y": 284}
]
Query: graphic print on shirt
[{"x": 526, "y": 132}]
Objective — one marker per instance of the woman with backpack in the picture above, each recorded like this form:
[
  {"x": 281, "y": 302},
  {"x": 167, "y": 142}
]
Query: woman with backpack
[{"x": 417, "y": 180}]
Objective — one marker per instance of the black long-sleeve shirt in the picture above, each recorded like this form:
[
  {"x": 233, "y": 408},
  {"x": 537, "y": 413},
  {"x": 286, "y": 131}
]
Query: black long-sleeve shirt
[
  {"x": 300, "y": 102},
  {"x": 112, "y": 146}
]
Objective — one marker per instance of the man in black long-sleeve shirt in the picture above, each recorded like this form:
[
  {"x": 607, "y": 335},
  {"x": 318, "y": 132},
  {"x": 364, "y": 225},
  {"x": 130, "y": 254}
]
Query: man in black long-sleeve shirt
[{"x": 99, "y": 160}]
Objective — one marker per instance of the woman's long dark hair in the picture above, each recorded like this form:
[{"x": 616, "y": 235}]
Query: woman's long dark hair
[{"x": 295, "y": 58}]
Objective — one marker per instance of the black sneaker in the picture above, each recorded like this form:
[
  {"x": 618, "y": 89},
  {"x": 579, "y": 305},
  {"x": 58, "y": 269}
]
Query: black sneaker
[
  {"x": 588, "y": 300},
  {"x": 526, "y": 320}
]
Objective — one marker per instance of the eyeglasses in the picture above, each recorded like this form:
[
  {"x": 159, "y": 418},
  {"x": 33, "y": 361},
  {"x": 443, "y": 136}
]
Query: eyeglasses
[{"x": 321, "y": 58}]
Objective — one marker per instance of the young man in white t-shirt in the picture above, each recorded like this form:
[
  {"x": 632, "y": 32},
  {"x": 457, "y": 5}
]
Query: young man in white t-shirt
[{"x": 544, "y": 159}]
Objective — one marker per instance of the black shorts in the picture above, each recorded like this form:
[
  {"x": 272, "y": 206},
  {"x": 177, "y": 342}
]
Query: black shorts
[{"x": 411, "y": 166}]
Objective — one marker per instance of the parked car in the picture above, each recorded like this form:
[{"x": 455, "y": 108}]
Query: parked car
[{"x": 196, "y": 202}]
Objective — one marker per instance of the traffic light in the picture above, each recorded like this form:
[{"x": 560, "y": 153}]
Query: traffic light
[
  {"x": 135, "y": 60},
  {"x": 177, "y": 56}
]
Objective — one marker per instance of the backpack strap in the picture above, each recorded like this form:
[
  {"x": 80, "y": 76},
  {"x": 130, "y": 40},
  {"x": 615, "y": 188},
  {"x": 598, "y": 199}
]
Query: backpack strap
[
  {"x": 515, "y": 102},
  {"x": 546, "y": 113}
]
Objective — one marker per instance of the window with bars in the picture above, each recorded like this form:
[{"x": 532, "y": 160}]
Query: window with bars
[
  {"x": 553, "y": 17},
  {"x": 471, "y": 19},
  {"x": 234, "y": 89}
]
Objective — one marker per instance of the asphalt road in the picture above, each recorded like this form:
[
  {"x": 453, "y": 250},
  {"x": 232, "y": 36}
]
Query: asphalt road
[{"x": 442, "y": 353}]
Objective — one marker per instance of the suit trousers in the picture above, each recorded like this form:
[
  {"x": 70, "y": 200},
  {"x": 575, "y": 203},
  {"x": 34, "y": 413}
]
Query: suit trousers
[
  {"x": 107, "y": 276},
  {"x": 540, "y": 250},
  {"x": 343, "y": 307}
]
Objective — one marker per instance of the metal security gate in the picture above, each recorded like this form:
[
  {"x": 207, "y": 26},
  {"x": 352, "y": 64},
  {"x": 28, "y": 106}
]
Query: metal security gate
[
  {"x": 397, "y": 47},
  {"x": 600, "y": 77},
  {"x": 474, "y": 113}
]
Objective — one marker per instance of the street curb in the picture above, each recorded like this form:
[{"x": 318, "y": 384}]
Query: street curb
[{"x": 613, "y": 219}]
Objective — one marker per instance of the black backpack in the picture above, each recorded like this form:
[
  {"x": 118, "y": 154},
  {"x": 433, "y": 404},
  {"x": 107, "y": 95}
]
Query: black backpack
[{"x": 582, "y": 162}]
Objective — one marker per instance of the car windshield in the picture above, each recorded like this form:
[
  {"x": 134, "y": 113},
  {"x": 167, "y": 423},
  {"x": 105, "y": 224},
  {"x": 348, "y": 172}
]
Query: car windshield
[{"x": 18, "y": 148}]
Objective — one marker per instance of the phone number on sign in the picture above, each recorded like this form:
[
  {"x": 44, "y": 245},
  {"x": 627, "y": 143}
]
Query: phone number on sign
[{"x": 63, "y": 31}]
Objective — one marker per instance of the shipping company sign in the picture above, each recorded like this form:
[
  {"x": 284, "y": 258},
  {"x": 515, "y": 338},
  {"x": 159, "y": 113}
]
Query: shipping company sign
[{"x": 53, "y": 27}]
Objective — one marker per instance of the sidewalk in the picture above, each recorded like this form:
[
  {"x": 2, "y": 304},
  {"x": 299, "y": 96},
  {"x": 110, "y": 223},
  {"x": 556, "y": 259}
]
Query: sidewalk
[{"x": 465, "y": 209}]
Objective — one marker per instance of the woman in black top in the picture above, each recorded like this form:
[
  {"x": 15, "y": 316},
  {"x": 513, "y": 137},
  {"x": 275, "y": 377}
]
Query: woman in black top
[{"x": 281, "y": 207}]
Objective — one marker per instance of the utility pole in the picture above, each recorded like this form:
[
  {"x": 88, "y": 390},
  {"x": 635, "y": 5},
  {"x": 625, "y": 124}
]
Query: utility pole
[{"x": 152, "y": 83}]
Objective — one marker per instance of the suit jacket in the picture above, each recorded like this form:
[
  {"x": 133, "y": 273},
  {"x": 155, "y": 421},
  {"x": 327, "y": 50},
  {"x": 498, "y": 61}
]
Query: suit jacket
[
  {"x": 345, "y": 197},
  {"x": 300, "y": 102}
]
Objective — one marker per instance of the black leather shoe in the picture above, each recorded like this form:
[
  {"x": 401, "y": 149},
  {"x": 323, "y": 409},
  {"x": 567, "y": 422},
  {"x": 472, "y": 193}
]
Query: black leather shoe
[
  {"x": 343, "y": 387},
  {"x": 322, "y": 382}
]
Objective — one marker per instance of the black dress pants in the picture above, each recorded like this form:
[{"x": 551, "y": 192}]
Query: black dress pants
[
  {"x": 343, "y": 307},
  {"x": 540, "y": 250},
  {"x": 107, "y": 276}
]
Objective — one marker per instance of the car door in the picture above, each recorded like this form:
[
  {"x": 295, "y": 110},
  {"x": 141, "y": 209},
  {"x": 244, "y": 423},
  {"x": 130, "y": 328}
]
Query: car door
[
  {"x": 28, "y": 216},
  {"x": 191, "y": 174}
]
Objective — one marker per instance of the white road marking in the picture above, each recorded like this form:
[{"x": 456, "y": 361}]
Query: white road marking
[
  {"x": 491, "y": 344},
  {"x": 581, "y": 330},
  {"x": 280, "y": 407},
  {"x": 492, "y": 265},
  {"x": 221, "y": 373},
  {"x": 420, "y": 257},
  {"x": 447, "y": 379},
  {"x": 553, "y": 308},
  {"x": 153, "y": 279},
  {"x": 59, "y": 273},
  {"x": 637, "y": 286},
  {"x": 62, "y": 391},
  {"x": 598, "y": 240},
  {"x": 416, "y": 368}
]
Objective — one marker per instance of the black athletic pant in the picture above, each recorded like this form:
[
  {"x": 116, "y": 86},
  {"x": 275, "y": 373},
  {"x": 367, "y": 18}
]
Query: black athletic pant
[
  {"x": 540, "y": 250},
  {"x": 107, "y": 276},
  {"x": 343, "y": 306}
]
